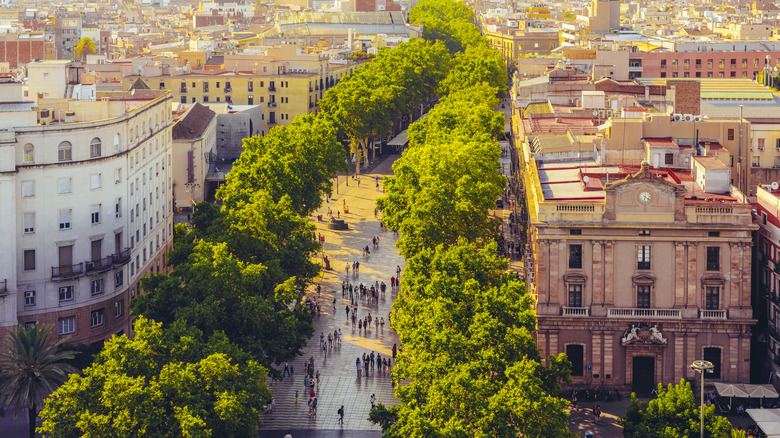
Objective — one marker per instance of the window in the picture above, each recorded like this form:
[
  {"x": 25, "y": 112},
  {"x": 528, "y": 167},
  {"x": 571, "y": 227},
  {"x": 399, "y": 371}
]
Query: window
[
  {"x": 65, "y": 186},
  {"x": 29, "y": 259},
  {"x": 117, "y": 175},
  {"x": 67, "y": 325},
  {"x": 119, "y": 308},
  {"x": 29, "y": 298},
  {"x": 575, "y": 256},
  {"x": 95, "y": 214},
  {"x": 117, "y": 141},
  {"x": 674, "y": 63},
  {"x": 28, "y": 189},
  {"x": 64, "y": 151},
  {"x": 761, "y": 142},
  {"x": 643, "y": 257},
  {"x": 687, "y": 63},
  {"x": 119, "y": 278},
  {"x": 731, "y": 134},
  {"x": 65, "y": 219},
  {"x": 28, "y": 223},
  {"x": 643, "y": 296},
  {"x": 29, "y": 153},
  {"x": 721, "y": 63},
  {"x": 713, "y": 258},
  {"x": 709, "y": 63},
  {"x": 713, "y": 234},
  {"x": 644, "y": 232},
  {"x": 576, "y": 354},
  {"x": 95, "y": 181},
  {"x": 669, "y": 159},
  {"x": 97, "y": 286},
  {"x": 118, "y": 207},
  {"x": 663, "y": 63},
  {"x": 97, "y": 317},
  {"x": 30, "y": 324},
  {"x": 712, "y": 354},
  {"x": 698, "y": 63},
  {"x": 712, "y": 300},
  {"x": 575, "y": 295},
  {"x": 94, "y": 148},
  {"x": 66, "y": 293}
]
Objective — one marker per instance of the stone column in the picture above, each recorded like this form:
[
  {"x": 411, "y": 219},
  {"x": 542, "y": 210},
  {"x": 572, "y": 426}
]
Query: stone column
[
  {"x": 542, "y": 269},
  {"x": 596, "y": 354},
  {"x": 734, "y": 286},
  {"x": 692, "y": 299},
  {"x": 747, "y": 266},
  {"x": 744, "y": 351},
  {"x": 679, "y": 274},
  {"x": 553, "y": 342},
  {"x": 598, "y": 280},
  {"x": 680, "y": 364},
  {"x": 555, "y": 262},
  {"x": 691, "y": 340},
  {"x": 730, "y": 372},
  {"x": 609, "y": 272},
  {"x": 609, "y": 340},
  {"x": 541, "y": 343}
]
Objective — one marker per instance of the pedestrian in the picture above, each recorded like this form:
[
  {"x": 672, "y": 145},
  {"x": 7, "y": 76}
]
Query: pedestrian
[
  {"x": 314, "y": 405},
  {"x": 360, "y": 324},
  {"x": 347, "y": 310},
  {"x": 357, "y": 365},
  {"x": 382, "y": 322},
  {"x": 574, "y": 400},
  {"x": 341, "y": 414},
  {"x": 286, "y": 369},
  {"x": 334, "y": 303},
  {"x": 597, "y": 414},
  {"x": 292, "y": 370},
  {"x": 395, "y": 350},
  {"x": 330, "y": 340},
  {"x": 319, "y": 289},
  {"x": 311, "y": 409},
  {"x": 273, "y": 404},
  {"x": 379, "y": 362},
  {"x": 318, "y": 378},
  {"x": 357, "y": 266},
  {"x": 398, "y": 271},
  {"x": 392, "y": 282},
  {"x": 373, "y": 401},
  {"x": 306, "y": 381},
  {"x": 296, "y": 397},
  {"x": 311, "y": 391},
  {"x": 339, "y": 336},
  {"x": 347, "y": 268},
  {"x": 371, "y": 358}
]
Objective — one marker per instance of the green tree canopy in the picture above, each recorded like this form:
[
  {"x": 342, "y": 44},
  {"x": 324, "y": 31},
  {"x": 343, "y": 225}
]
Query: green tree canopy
[
  {"x": 673, "y": 414},
  {"x": 298, "y": 161},
  {"x": 149, "y": 387},
  {"x": 33, "y": 365},
  {"x": 479, "y": 64},
  {"x": 441, "y": 192},
  {"x": 448, "y": 21},
  {"x": 84, "y": 47},
  {"x": 470, "y": 361}
]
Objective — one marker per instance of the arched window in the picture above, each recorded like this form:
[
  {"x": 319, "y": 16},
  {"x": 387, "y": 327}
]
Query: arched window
[
  {"x": 94, "y": 148},
  {"x": 64, "y": 151},
  {"x": 29, "y": 153},
  {"x": 117, "y": 140}
]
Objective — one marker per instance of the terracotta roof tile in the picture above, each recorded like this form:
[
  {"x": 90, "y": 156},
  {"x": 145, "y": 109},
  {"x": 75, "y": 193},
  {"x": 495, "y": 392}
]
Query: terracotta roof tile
[{"x": 194, "y": 123}]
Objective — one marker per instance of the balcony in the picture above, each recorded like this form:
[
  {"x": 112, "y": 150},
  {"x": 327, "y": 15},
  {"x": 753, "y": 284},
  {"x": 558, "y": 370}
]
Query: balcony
[
  {"x": 228, "y": 89},
  {"x": 713, "y": 314},
  {"x": 205, "y": 90},
  {"x": 121, "y": 258},
  {"x": 575, "y": 311},
  {"x": 183, "y": 90},
  {"x": 67, "y": 272},
  {"x": 272, "y": 88},
  {"x": 627, "y": 312},
  {"x": 311, "y": 104},
  {"x": 98, "y": 266},
  {"x": 3, "y": 288},
  {"x": 272, "y": 104}
]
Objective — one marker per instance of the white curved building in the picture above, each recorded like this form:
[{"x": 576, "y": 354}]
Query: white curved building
[{"x": 85, "y": 190}]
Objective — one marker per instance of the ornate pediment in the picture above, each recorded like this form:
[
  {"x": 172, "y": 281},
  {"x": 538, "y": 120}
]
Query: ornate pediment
[
  {"x": 643, "y": 334},
  {"x": 645, "y": 197}
]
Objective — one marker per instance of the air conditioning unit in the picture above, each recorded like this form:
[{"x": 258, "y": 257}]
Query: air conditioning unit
[
  {"x": 697, "y": 118},
  {"x": 677, "y": 117},
  {"x": 688, "y": 118}
]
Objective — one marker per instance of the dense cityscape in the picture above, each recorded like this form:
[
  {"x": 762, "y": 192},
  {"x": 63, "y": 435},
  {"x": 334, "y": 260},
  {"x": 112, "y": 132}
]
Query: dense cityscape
[{"x": 389, "y": 218}]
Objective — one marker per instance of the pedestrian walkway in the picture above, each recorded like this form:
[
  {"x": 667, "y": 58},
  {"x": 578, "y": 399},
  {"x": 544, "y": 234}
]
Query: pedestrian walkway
[{"x": 339, "y": 384}]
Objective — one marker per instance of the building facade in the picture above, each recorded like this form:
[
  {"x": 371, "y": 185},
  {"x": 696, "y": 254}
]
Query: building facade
[
  {"x": 638, "y": 271},
  {"x": 767, "y": 274},
  {"x": 86, "y": 189}
]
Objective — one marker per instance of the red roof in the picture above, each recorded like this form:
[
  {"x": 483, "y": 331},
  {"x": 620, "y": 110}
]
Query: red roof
[
  {"x": 194, "y": 123},
  {"x": 660, "y": 141}
]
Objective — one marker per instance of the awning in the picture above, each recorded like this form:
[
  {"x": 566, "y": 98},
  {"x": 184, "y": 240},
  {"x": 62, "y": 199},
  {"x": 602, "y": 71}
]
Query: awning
[
  {"x": 731, "y": 390},
  {"x": 764, "y": 415},
  {"x": 400, "y": 140},
  {"x": 761, "y": 391}
]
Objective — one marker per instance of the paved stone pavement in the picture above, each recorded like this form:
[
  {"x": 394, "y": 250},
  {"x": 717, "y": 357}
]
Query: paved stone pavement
[{"x": 339, "y": 383}]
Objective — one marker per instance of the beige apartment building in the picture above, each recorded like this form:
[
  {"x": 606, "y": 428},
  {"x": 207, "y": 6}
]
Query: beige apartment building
[{"x": 639, "y": 271}]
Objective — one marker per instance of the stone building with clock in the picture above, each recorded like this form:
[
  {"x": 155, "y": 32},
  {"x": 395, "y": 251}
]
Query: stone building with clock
[{"x": 639, "y": 271}]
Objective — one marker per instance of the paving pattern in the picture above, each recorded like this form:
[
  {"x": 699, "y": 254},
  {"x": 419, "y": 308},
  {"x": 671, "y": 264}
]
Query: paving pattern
[{"x": 339, "y": 384}]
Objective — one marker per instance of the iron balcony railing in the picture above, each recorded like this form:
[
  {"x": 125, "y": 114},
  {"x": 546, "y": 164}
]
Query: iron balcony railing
[
  {"x": 67, "y": 272},
  {"x": 121, "y": 258},
  {"x": 98, "y": 266}
]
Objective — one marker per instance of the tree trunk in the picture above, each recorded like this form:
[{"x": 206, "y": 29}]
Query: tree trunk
[
  {"x": 373, "y": 148},
  {"x": 32, "y": 415}
]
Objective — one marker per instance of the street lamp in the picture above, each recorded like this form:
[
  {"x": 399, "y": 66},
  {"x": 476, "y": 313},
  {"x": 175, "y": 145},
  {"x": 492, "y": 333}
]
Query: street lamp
[{"x": 700, "y": 366}]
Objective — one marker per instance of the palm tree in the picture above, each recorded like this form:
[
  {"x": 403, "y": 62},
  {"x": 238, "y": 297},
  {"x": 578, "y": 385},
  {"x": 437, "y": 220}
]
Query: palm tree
[
  {"x": 31, "y": 368},
  {"x": 84, "y": 47}
]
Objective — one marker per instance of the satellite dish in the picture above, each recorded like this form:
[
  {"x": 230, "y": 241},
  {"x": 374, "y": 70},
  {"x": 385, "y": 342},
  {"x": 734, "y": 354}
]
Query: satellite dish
[
  {"x": 586, "y": 178},
  {"x": 775, "y": 185}
]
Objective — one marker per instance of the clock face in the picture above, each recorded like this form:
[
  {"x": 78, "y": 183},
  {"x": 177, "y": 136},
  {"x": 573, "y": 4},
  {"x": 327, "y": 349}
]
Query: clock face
[{"x": 644, "y": 197}]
